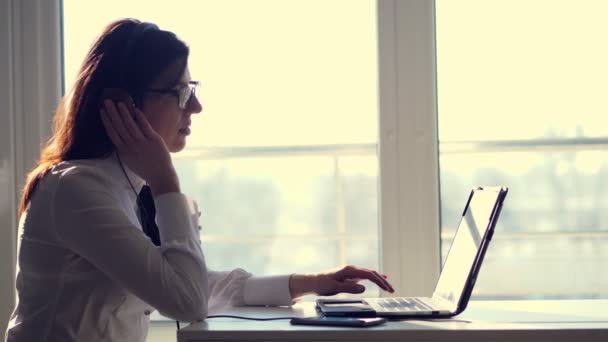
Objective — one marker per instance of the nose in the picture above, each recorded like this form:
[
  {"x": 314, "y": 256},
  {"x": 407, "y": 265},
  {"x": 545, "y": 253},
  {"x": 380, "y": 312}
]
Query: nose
[{"x": 194, "y": 105}]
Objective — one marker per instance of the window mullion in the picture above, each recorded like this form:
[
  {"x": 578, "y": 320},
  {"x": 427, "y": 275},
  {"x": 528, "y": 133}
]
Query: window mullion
[{"x": 409, "y": 191}]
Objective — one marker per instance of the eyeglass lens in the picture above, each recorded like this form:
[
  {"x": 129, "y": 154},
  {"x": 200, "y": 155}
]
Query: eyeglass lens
[{"x": 185, "y": 94}]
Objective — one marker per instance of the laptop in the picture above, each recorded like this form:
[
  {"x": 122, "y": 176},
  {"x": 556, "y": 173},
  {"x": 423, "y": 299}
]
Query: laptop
[{"x": 457, "y": 277}]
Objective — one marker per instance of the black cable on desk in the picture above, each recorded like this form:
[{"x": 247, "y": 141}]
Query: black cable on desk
[{"x": 250, "y": 318}]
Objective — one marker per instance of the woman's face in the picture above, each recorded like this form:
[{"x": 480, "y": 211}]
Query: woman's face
[{"x": 162, "y": 109}]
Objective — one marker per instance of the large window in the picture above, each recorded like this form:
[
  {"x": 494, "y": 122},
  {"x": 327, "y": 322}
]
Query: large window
[
  {"x": 282, "y": 161},
  {"x": 521, "y": 103}
]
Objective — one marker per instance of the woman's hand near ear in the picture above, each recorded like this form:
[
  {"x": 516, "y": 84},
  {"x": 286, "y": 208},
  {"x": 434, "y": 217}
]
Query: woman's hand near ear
[{"x": 140, "y": 147}]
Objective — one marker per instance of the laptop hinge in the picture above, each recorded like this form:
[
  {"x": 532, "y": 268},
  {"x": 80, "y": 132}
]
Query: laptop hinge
[{"x": 443, "y": 303}]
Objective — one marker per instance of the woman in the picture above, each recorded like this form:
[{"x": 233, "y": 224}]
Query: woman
[{"x": 96, "y": 256}]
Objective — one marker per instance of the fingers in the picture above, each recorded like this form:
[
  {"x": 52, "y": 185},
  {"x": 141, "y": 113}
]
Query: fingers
[
  {"x": 144, "y": 124},
  {"x": 125, "y": 129},
  {"x": 115, "y": 122},
  {"x": 351, "y": 287},
  {"x": 350, "y": 272},
  {"x": 112, "y": 134},
  {"x": 130, "y": 123}
]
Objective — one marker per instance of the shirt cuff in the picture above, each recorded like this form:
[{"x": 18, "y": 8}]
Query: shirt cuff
[
  {"x": 174, "y": 217},
  {"x": 268, "y": 290}
]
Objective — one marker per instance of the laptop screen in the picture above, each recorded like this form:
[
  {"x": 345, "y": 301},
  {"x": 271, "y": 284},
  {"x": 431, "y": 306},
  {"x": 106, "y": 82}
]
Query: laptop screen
[{"x": 475, "y": 221}]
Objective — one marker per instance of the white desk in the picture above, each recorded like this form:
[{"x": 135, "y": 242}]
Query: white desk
[{"x": 520, "y": 321}]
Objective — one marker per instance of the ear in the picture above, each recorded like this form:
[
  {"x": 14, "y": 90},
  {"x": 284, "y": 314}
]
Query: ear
[{"x": 119, "y": 95}]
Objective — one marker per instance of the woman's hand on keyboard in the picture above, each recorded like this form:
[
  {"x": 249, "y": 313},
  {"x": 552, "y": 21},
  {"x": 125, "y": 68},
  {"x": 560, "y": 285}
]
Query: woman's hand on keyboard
[{"x": 344, "y": 280}]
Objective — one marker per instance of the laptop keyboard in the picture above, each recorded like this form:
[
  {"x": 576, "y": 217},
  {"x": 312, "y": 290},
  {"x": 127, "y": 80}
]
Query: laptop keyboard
[{"x": 404, "y": 304}]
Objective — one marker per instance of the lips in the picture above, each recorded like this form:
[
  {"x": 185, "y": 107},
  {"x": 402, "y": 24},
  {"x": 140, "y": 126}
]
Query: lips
[{"x": 185, "y": 129}]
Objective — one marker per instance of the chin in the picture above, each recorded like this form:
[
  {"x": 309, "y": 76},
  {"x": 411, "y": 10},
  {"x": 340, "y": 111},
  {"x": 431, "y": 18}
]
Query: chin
[
  {"x": 176, "y": 149},
  {"x": 177, "y": 146}
]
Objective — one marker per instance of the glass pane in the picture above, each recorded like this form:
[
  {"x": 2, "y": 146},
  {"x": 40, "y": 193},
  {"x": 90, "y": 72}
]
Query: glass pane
[
  {"x": 552, "y": 235},
  {"x": 522, "y": 73},
  {"x": 273, "y": 72},
  {"x": 286, "y": 213},
  {"x": 520, "y": 69}
]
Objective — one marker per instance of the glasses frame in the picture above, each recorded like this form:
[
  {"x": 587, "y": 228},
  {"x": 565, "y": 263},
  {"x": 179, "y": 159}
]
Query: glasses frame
[{"x": 183, "y": 93}]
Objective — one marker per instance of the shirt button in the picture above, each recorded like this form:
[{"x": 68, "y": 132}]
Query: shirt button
[{"x": 147, "y": 312}]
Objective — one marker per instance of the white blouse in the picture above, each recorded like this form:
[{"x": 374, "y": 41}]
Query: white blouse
[{"x": 87, "y": 272}]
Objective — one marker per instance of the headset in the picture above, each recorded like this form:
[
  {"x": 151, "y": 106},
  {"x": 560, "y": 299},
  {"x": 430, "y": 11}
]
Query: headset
[{"x": 120, "y": 93}]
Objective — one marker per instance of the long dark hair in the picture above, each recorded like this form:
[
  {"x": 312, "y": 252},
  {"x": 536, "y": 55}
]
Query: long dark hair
[{"x": 128, "y": 54}]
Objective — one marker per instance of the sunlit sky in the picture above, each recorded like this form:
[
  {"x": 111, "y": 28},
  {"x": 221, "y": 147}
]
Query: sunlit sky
[
  {"x": 274, "y": 72},
  {"x": 522, "y": 69}
]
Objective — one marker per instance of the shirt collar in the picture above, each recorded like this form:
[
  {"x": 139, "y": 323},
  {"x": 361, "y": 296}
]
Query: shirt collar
[{"x": 118, "y": 172}]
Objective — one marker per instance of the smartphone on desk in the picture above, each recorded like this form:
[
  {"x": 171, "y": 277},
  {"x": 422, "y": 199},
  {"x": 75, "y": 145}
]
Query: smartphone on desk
[{"x": 360, "y": 322}]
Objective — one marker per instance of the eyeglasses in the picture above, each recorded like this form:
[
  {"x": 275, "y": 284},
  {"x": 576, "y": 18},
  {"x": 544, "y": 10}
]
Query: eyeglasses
[{"x": 183, "y": 93}]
